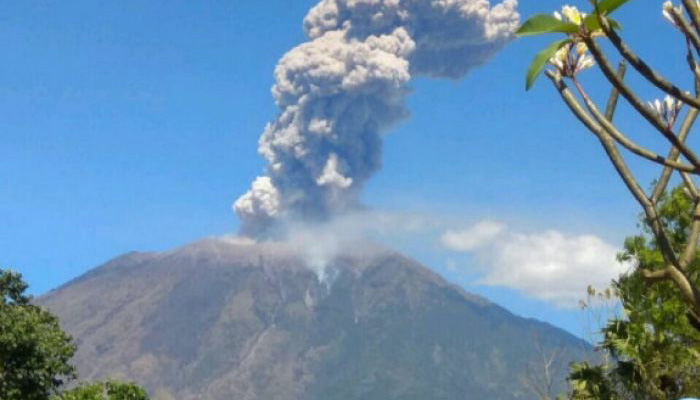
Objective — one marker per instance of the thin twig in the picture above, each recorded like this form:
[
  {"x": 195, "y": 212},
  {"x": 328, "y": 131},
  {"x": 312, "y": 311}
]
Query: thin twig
[{"x": 611, "y": 105}]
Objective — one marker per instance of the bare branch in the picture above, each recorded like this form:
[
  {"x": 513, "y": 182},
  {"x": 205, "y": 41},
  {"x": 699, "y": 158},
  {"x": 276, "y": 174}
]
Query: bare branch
[
  {"x": 654, "y": 119},
  {"x": 611, "y": 106},
  {"x": 673, "y": 154},
  {"x": 652, "y": 76},
  {"x": 629, "y": 144},
  {"x": 656, "y": 275},
  {"x": 694, "y": 13},
  {"x": 688, "y": 291},
  {"x": 690, "y": 250},
  {"x": 687, "y": 30},
  {"x": 690, "y": 185},
  {"x": 620, "y": 166},
  {"x": 605, "y": 139}
]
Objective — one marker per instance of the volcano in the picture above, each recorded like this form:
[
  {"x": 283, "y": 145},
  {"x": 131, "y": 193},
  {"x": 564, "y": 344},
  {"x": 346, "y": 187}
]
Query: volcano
[{"x": 222, "y": 319}]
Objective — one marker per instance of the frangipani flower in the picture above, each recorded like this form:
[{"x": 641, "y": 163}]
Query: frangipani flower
[
  {"x": 570, "y": 63},
  {"x": 668, "y": 109},
  {"x": 570, "y": 14},
  {"x": 560, "y": 58}
]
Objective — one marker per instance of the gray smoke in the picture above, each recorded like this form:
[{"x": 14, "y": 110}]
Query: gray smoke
[{"x": 341, "y": 90}]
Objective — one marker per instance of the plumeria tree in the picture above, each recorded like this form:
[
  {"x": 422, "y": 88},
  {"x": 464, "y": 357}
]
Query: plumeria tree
[
  {"x": 672, "y": 118},
  {"x": 655, "y": 345}
]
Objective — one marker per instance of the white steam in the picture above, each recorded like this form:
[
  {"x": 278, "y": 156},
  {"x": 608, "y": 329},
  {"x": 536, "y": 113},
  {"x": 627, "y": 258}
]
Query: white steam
[
  {"x": 341, "y": 90},
  {"x": 356, "y": 233}
]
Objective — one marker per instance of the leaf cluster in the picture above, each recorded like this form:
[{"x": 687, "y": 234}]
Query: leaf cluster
[
  {"x": 109, "y": 390},
  {"x": 654, "y": 348},
  {"x": 34, "y": 351},
  {"x": 545, "y": 23}
]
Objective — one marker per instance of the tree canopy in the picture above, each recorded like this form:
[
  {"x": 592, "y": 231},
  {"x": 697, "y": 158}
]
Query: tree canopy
[
  {"x": 109, "y": 390},
  {"x": 34, "y": 350},
  {"x": 654, "y": 347},
  {"x": 35, "y": 353}
]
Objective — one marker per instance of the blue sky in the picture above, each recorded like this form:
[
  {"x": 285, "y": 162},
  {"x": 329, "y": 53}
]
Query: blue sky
[{"x": 133, "y": 125}]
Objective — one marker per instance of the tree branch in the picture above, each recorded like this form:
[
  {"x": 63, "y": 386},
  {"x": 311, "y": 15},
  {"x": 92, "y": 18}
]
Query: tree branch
[
  {"x": 691, "y": 247},
  {"x": 629, "y": 144},
  {"x": 686, "y": 29},
  {"x": 643, "y": 68},
  {"x": 673, "y": 154},
  {"x": 605, "y": 139},
  {"x": 694, "y": 13},
  {"x": 621, "y": 168},
  {"x": 611, "y": 106},
  {"x": 656, "y": 275},
  {"x": 690, "y": 185},
  {"x": 654, "y": 119}
]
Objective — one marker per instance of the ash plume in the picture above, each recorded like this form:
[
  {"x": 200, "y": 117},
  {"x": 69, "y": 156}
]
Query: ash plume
[{"x": 338, "y": 92}]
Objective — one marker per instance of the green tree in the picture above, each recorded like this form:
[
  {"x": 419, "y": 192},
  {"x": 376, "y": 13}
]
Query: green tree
[
  {"x": 654, "y": 348},
  {"x": 34, "y": 351},
  {"x": 110, "y": 390}
]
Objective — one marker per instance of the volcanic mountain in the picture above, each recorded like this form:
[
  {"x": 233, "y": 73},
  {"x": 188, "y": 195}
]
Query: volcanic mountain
[{"x": 220, "y": 319}]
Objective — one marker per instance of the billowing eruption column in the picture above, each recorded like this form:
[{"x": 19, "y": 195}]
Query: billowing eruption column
[{"x": 338, "y": 92}]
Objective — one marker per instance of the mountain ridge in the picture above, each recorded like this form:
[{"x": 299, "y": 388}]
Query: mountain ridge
[{"x": 220, "y": 319}]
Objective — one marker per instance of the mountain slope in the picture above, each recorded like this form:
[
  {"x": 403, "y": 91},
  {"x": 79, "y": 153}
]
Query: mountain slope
[{"x": 218, "y": 319}]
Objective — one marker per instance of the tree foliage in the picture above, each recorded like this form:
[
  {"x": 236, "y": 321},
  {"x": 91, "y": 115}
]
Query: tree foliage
[
  {"x": 34, "y": 351},
  {"x": 109, "y": 390},
  {"x": 654, "y": 348}
]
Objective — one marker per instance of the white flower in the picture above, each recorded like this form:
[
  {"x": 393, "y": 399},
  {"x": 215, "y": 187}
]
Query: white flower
[
  {"x": 570, "y": 63},
  {"x": 668, "y": 109},
  {"x": 561, "y": 58},
  {"x": 572, "y": 14},
  {"x": 669, "y": 102},
  {"x": 583, "y": 62}
]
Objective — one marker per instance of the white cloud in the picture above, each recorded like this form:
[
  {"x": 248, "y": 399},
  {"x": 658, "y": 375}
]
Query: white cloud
[
  {"x": 473, "y": 237},
  {"x": 550, "y": 266}
]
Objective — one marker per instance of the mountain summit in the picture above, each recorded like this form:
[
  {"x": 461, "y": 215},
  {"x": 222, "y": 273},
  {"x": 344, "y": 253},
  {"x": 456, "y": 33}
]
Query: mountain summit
[{"x": 223, "y": 319}]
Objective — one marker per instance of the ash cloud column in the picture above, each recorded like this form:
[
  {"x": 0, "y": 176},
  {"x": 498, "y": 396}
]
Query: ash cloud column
[{"x": 341, "y": 90}]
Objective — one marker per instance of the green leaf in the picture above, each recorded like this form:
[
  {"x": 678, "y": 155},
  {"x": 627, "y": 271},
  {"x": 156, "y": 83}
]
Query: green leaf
[
  {"x": 607, "y": 6},
  {"x": 541, "y": 59},
  {"x": 592, "y": 24},
  {"x": 544, "y": 23}
]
